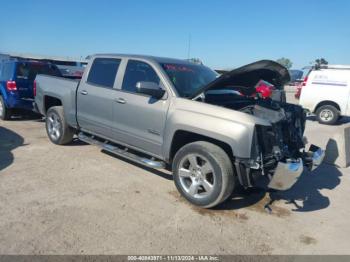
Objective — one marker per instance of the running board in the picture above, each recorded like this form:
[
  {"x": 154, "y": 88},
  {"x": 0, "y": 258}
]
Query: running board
[{"x": 121, "y": 152}]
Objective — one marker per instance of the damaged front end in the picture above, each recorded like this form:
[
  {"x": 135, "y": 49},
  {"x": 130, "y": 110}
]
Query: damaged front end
[{"x": 278, "y": 151}]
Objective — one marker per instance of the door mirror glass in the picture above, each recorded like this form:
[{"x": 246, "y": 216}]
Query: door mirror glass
[{"x": 150, "y": 88}]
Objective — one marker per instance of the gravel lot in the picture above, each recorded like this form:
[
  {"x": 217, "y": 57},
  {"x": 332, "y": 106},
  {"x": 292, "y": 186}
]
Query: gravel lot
[{"x": 76, "y": 200}]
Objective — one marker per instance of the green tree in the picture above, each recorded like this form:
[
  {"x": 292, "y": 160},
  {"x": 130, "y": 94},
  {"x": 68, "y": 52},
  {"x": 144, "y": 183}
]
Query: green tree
[
  {"x": 321, "y": 61},
  {"x": 285, "y": 62}
]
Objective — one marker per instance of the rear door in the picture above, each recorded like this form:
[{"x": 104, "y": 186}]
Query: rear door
[
  {"x": 95, "y": 97},
  {"x": 139, "y": 120}
]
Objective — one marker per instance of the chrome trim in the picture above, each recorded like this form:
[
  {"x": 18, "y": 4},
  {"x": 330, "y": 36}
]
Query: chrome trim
[{"x": 286, "y": 174}]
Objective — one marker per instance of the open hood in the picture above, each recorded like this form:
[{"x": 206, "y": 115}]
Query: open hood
[{"x": 245, "y": 78}]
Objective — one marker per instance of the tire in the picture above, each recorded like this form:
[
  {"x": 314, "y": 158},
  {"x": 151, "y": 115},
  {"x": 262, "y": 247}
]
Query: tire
[
  {"x": 58, "y": 131},
  {"x": 327, "y": 114},
  {"x": 203, "y": 174},
  {"x": 5, "y": 112}
]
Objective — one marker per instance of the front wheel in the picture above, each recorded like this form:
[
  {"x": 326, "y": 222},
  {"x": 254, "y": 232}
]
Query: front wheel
[
  {"x": 57, "y": 128},
  {"x": 203, "y": 174},
  {"x": 327, "y": 115}
]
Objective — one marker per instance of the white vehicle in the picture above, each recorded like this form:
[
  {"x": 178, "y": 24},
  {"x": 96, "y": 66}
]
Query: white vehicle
[{"x": 326, "y": 93}]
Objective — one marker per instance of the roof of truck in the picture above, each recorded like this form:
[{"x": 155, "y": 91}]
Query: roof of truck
[{"x": 149, "y": 57}]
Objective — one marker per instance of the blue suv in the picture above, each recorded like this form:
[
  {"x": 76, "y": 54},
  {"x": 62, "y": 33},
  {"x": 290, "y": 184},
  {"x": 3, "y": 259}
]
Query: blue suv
[{"x": 17, "y": 84}]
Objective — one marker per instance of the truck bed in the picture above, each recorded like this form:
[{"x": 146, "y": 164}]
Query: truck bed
[{"x": 62, "y": 89}]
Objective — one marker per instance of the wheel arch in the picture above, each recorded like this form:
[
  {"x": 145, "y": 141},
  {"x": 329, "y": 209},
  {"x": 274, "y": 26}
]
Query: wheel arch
[
  {"x": 50, "y": 101},
  {"x": 3, "y": 93},
  {"x": 327, "y": 102},
  {"x": 184, "y": 137}
]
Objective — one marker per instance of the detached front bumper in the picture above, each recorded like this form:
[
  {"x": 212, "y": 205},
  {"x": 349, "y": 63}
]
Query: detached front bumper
[{"x": 287, "y": 173}]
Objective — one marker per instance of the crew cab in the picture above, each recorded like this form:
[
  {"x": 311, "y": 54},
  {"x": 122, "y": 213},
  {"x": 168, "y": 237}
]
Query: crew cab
[
  {"x": 17, "y": 86},
  {"x": 171, "y": 113}
]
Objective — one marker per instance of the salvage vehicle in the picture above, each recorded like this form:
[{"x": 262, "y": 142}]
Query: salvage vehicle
[
  {"x": 17, "y": 85},
  {"x": 164, "y": 113}
]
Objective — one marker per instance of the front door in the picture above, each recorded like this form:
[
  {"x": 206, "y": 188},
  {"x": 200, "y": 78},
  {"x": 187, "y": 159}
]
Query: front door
[{"x": 139, "y": 120}]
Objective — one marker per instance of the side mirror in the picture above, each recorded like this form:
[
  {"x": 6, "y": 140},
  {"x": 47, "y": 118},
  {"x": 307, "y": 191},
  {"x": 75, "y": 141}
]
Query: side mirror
[{"x": 151, "y": 89}]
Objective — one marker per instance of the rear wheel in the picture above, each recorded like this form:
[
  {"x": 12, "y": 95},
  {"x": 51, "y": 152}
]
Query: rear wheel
[
  {"x": 5, "y": 113},
  {"x": 57, "y": 129},
  {"x": 327, "y": 114},
  {"x": 203, "y": 174}
]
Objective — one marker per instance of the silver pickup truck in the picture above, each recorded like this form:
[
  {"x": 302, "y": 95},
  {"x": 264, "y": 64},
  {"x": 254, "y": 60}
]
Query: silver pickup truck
[{"x": 210, "y": 130}]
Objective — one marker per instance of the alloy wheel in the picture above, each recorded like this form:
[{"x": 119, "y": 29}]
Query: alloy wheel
[
  {"x": 54, "y": 126},
  {"x": 197, "y": 177}
]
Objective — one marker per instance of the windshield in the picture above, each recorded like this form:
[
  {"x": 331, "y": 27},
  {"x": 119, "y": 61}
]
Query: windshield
[
  {"x": 28, "y": 71},
  {"x": 295, "y": 75},
  {"x": 188, "y": 79}
]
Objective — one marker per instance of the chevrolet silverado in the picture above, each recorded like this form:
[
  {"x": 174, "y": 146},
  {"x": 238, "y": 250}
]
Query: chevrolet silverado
[{"x": 171, "y": 113}]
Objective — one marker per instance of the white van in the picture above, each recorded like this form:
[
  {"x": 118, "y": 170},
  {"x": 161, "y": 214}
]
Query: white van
[{"x": 326, "y": 93}]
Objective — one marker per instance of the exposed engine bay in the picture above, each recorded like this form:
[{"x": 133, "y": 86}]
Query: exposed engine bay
[
  {"x": 281, "y": 142},
  {"x": 285, "y": 137},
  {"x": 277, "y": 150}
]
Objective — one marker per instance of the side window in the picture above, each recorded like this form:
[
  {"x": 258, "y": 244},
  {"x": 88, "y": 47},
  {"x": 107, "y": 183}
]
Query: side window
[
  {"x": 103, "y": 72},
  {"x": 137, "y": 71},
  {"x": 7, "y": 71},
  {"x": 0, "y": 72}
]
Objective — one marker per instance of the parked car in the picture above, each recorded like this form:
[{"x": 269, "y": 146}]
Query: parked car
[
  {"x": 157, "y": 112},
  {"x": 17, "y": 86},
  {"x": 326, "y": 93},
  {"x": 70, "y": 69},
  {"x": 295, "y": 77}
]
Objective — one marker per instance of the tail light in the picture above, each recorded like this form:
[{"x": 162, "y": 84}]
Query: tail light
[
  {"x": 11, "y": 86},
  {"x": 34, "y": 88},
  {"x": 298, "y": 92},
  {"x": 300, "y": 87},
  {"x": 305, "y": 81}
]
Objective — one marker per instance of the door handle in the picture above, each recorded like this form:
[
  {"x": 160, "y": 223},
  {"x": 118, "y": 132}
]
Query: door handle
[
  {"x": 120, "y": 100},
  {"x": 84, "y": 92}
]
